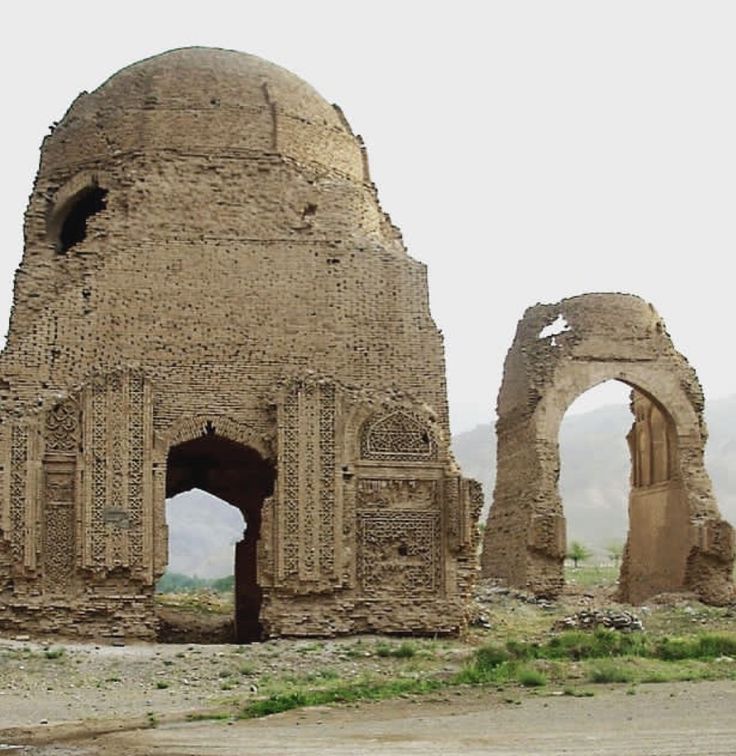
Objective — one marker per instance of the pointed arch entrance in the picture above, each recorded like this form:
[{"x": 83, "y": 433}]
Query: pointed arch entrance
[
  {"x": 677, "y": 539},
  {"x": 239, "y": 475}
]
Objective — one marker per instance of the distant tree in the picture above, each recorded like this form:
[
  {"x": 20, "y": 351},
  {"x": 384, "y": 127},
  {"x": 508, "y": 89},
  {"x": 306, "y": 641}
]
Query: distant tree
[
  {"x": 615, "y": 551},
  {"x": 578, "y": 553},
  {"x": 223, "y": 584},
  {"x": 175, "y": 582}
]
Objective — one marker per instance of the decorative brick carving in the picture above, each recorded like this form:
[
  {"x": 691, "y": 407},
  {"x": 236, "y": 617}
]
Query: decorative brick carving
[
  {"x": 62, "y": 428},
  {"x": 397, "y": 436},
  {"x": 59, "y": 547},
  {"x": 117, "y": 451},
  {"x": 399, "y": 553},
  {"x": 97, "y": 464},
  {"x": 383, "y": 493},
  {"x": 136, "y": 464},
  {"x": 18, "y": 485},
  {"x": 328, "y": 483},
  {"x": 307, "y": 481}
]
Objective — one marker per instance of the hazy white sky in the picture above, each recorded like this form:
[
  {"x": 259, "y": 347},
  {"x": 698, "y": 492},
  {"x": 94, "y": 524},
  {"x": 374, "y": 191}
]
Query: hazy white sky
[{"x": 528, "y": 150}]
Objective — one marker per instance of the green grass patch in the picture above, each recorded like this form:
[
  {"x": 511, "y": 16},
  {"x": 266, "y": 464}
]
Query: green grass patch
[
  {"x": 701, "y": 646},
  {"x": 530, "y": 677},
  {"x": 369, "y": 690},
  {"x": 577, "y": 692},
  {"x": 405, "y": 650},
  {"x": 587, "y": 576},
  {"x": 607, "y": 671}
]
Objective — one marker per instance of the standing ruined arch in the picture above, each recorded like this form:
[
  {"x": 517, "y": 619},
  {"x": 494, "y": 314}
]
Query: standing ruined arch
[{"x": 677, "y": 540}]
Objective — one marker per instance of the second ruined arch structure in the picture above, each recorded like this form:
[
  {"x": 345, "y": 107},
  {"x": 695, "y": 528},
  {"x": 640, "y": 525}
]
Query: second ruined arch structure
[
  {"x": 212, "y": 297},
  {"x": 677, "y": 540}
]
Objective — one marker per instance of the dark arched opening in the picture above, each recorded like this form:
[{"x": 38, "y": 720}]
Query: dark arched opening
[
  {"x": 240, "y": 476},
  {"x": 73, "y": 230}
]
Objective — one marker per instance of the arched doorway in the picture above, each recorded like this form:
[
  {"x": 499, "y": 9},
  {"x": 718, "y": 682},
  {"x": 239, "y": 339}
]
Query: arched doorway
[
  {"x": 594, "y": 484},
  {"x": 239, "y": 475},
  {"x": 626, "y": 488}
]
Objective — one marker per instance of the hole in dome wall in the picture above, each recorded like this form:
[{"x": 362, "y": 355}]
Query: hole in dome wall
[{"x": 86, "y": 204}]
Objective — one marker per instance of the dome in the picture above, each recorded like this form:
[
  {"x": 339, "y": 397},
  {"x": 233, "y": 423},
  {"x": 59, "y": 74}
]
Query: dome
[{"x": 205, "y": 100}]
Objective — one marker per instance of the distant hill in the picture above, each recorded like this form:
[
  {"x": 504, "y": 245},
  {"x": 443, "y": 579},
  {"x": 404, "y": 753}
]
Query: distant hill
[
  {"x": 594, "y": 472},
  {"x": 202, "y": 533},
  {"x": 594, "y": 482}
]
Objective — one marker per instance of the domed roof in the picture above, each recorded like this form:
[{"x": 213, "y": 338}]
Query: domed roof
[
  {"x": 205, "y": 99},
  {"x": 202, "y": 78}
]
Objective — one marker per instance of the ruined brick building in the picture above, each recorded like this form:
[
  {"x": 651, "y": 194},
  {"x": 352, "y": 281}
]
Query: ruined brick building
[{"x": 210, "y": 296}]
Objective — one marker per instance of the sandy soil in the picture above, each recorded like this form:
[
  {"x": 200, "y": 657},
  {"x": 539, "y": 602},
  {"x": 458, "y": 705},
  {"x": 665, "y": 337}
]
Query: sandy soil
[
  {"x": 97, "y": 682},
  {"x": 672, "y": 719}
]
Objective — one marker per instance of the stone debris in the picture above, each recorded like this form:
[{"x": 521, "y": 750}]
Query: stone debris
[{"x": 590, "y": 619}]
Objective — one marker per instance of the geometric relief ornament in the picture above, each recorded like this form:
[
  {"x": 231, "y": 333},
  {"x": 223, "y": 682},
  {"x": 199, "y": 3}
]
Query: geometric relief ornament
[
  {"x": 309, "y": 500},
  {"x": 62, "y": 428},
  {"x": 397, "y": 436},
  {"x": 59, "y": 523},
  {"x": 399, "y": 553}
]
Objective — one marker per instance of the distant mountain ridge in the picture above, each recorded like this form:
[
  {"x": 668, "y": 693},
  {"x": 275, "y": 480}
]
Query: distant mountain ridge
[{"x": 594, "y": 471}]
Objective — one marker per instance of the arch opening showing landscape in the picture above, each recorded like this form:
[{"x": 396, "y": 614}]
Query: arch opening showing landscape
[
  {"x": 238, "y": 475},
  {"x": 677, "y": 540}
]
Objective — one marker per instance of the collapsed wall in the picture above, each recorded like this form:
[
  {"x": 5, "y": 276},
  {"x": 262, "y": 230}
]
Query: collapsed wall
[{"x": 677, "y": 540}]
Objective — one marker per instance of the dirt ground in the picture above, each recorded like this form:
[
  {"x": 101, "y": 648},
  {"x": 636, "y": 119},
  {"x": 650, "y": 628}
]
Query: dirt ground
[
  {"x": 49, "y": 692},
  {"x": 672, "y": 719}
]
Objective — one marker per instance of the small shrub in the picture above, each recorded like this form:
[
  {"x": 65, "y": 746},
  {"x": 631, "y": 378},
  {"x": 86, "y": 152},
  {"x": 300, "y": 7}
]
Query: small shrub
[
  {"x": 521, "y": 650},
  {"x": 530, "y": 677},
  {"x": 54, "y": 653},
  {"x": 609, "y": 672},
  {"x": 577, "y": 692},
  {"x": 405, "y": 650},
  {"x": 162, "y": 684},
  {"x": 490, "y": 656},
  {"x": 579, "y": 644},
  {"x": 327, "y": 673},
  {"x": 675, "y": 649},
  {"x": 717, "y": 644}
]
